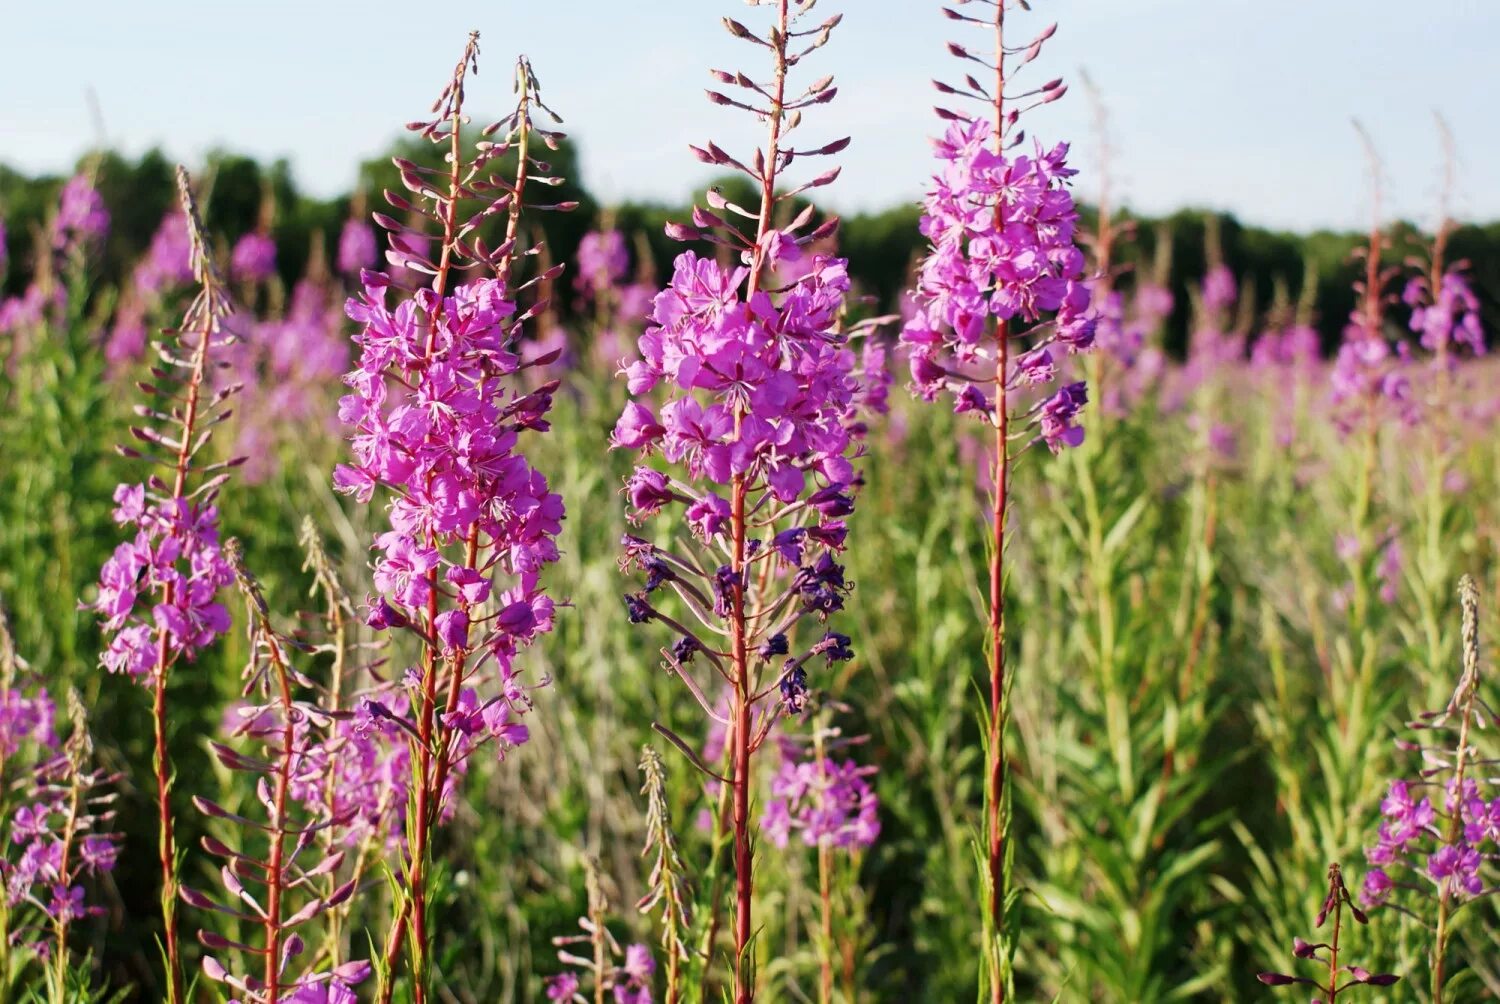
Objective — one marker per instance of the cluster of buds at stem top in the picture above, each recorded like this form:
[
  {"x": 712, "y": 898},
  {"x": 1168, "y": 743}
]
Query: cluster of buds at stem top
[
  {"x": 1439, "y": 833},
  {"x": 1340, "y": 976},
  {"x": 274, "y": 880},
  {"x": 58, "y": 808},
  {"x": 1003, "y": 265}
]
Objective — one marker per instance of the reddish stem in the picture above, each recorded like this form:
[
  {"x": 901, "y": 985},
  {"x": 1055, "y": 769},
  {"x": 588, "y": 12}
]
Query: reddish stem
[
  {"x": 162, "y": 759},
  {"x": 744, "y": 989},
  {"x": 997, "y": 823},
  {"x": 277, "y": 864}
]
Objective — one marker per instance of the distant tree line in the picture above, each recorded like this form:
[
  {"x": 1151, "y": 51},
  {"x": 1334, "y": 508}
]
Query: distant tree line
[{"x": 1273, "y": 265}]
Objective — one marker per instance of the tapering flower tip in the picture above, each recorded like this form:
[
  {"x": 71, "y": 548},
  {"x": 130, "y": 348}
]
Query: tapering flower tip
[{"x": 1280, "y": 979}]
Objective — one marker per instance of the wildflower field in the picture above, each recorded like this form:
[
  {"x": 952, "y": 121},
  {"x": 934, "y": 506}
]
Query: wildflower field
[{"x": 465, "y": 591}]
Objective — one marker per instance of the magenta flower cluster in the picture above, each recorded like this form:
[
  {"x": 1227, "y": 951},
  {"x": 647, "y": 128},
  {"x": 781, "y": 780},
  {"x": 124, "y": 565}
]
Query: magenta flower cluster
[
  {"x": 59, "y": 828},
  {"x": 761, "y": 391},
  {"x": 1002, "y": 230},
  {"x": 253, "y": 258},
  {"x": 1448, "y": 320},
  {"x": 1412, "y": 838},
  {"x": 161, "y": 586},
  {"x": 435, "y": 424},
  {"x": 82, "y": 221},
  {"x": 628, "y": 983},
  {"x": 601, "y": 262},
  {"x": 358, "y": 249},
  {"x": 821, "y": 799},
  {"x": 166, "y": 267},
  {"x": 287, "y": 364},
  {"x": 756, "y": 389}
]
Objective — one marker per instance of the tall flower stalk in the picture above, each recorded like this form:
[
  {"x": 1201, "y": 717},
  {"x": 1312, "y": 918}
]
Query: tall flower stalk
[
  {"x": 1439, "y": 834},
  {"x": 157, "y": 597},
  {"x": 437, "y": 421},
  {"x": 1001, "y": 290},
  {"x": 280, "y": 891},
  {"x": 760, "y": 401}
]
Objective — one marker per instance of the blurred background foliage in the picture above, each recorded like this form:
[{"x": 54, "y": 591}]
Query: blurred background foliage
[{"x": 881, "y": 246}]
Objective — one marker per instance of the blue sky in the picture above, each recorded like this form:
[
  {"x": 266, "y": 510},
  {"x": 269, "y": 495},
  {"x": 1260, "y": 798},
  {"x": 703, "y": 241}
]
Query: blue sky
[{"x": 1242, "y": 105}]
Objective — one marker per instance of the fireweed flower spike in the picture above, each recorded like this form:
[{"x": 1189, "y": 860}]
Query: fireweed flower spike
[
  {"x": 277, "y": 892},
  {"x": 1327, "y": 953},
  {"x": 437, "y": 423},
  {"x": 755, "y": 408},
  {"x": 1001, "y": 223},
  {"x": 158, "y": 593},
  {"x": 1439, "y": 835},
  {"x": 59, "y": 812}
]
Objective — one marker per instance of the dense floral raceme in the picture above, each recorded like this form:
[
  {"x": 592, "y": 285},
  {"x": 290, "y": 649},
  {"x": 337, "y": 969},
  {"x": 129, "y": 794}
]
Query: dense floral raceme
[
  {"x": 253, "y": 258},
  {"x": 58, "y": 810},
  {"x": 1448, "y": 320},
  {"x": 761, "y": 391},
  {"x": 1002, "y": 232},
  {"x": 1439, "y": 834},
  {"x": 358, "y": 249},
  {"x": 82, "y": 220},
  {"x": 436, "y": 423},
  {"x": 818, "y": 799},
  {"x": 162, "y": 583},
  {"x": 781, "y": 366}
]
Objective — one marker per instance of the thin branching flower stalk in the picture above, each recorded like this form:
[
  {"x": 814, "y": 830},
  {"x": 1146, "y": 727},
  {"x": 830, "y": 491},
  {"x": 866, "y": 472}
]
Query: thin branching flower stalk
[
  {"x": 761, "y": 402},
  {"x": 1439, "y": 834},
  {"x": 436, "y": 426},
  {"x": 280, "y": 890},
  {"x": 1327, "y": 953},
  {"x": 157, "y": 592},
  {"x": 1002, "y": 267}
]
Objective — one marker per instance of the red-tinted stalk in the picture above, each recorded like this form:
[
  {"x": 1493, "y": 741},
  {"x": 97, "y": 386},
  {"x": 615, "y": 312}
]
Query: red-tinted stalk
[
  {"x": 162, "y": 758},
  {"x": 740, "y": 734},
  {"x": 997, "y": 824}
]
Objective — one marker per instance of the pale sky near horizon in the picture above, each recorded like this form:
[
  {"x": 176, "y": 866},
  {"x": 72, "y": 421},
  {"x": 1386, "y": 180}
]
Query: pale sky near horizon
[{"x": 1243, "y": 105}]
